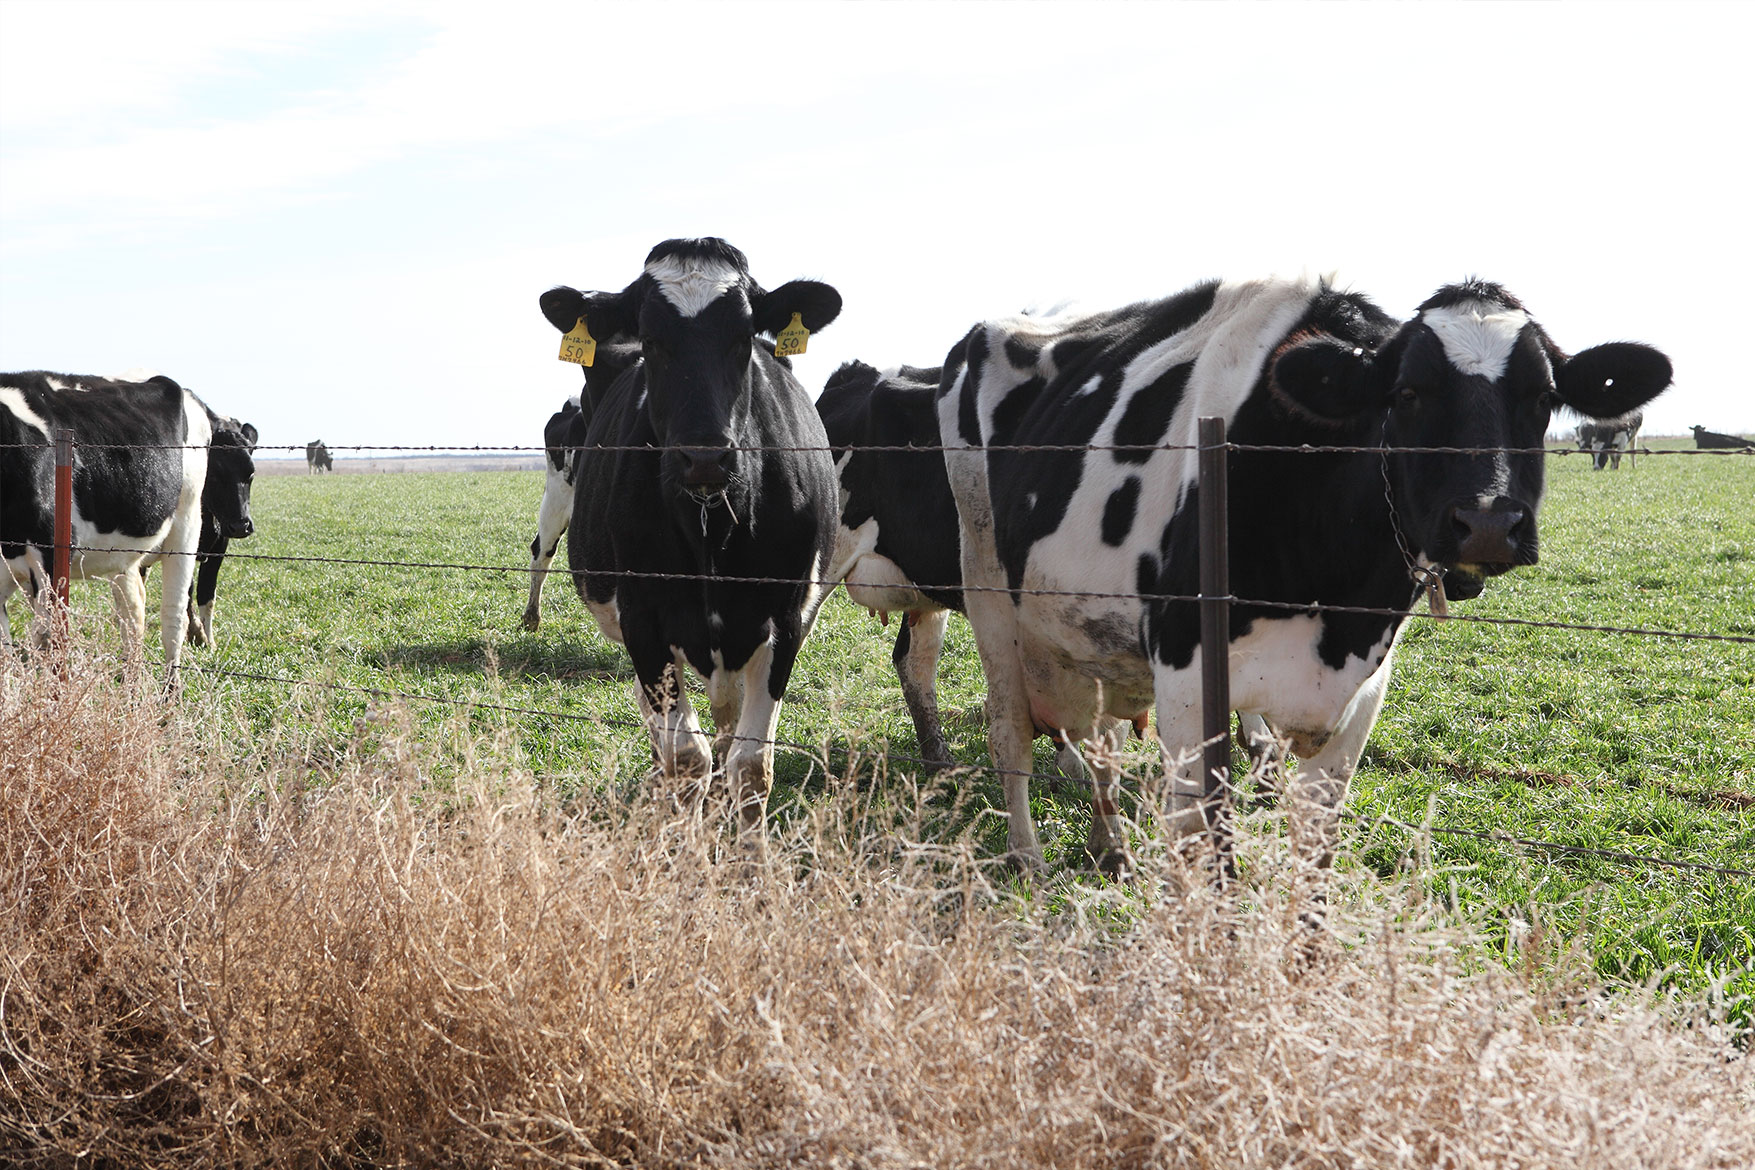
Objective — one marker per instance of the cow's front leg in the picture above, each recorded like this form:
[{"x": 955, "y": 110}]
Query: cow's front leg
[
  {"x": 129, "y": 596},
  {"x": 1318, "y": 788},
  {"x": 677, "y": 739},
  {"x": 725, "y": 697},
  {"x": 749, "y": 763},
  {"x": 1179, "y": 742}
]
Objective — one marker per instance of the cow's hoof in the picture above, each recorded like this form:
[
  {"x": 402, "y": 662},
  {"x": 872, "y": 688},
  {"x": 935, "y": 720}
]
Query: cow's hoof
[
  {"x": 532, "y": 619},
  {"x": 1027, "y": 863},
  {"x": 1113, "y": 863}
]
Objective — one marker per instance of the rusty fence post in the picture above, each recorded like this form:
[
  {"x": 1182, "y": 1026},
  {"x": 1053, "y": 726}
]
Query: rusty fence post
[{"x": 1215, "y": 643}]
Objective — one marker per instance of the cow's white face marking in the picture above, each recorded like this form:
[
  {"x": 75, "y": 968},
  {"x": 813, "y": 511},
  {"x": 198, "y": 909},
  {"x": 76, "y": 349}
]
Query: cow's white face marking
[
  {"x": 693, "y": 284},
  {"x": 1477, "y": 338},
  {"x": 13, "y": 400},
  {"x": 57, "y": 384}
]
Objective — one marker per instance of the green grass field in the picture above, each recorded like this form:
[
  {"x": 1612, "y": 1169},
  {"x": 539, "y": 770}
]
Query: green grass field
[{"x": 1607, "y": 741}]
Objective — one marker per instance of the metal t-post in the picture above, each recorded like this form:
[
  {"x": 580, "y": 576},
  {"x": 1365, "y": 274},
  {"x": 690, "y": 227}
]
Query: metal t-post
[{"x": 1215, "y": 644}]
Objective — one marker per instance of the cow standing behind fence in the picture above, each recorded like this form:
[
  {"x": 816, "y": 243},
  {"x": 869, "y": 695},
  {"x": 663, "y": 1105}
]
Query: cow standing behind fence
[
  {"x": 1608, "y": 441},
  {"x": 561, "y": 439},
  {"x": 141, "y": 452},
  {"x": 317, "y": 458},
  {"x": 706, "y": 463},
  {"x": 1073, "y": 560}
]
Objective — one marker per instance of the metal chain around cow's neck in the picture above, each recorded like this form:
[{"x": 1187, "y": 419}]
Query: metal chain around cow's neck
[{"x": 1428, "y": 579}]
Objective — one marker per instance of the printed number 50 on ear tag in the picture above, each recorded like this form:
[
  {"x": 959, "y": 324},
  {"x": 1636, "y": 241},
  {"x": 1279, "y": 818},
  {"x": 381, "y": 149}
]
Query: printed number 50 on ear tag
[
  {"x": 578, "y": 346},
  {"x": 791, "y": 339}
]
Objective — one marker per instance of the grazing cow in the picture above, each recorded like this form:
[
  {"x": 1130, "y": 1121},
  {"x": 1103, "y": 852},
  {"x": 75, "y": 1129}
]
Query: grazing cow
[
  {"x": 561, "y": 439},
  {"x": 140, "y": 465},
  {"x": 1610, "y": 440},
  {"x": 1070, "y": 547},
  {"x": 698, "y": 469},
  {"x": 1707, "y": 440},
  {"x": 317, "y": 458}
]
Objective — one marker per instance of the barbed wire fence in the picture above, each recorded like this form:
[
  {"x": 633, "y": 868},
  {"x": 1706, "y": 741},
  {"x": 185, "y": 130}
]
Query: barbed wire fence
[{"x": 1214, "y": 600}]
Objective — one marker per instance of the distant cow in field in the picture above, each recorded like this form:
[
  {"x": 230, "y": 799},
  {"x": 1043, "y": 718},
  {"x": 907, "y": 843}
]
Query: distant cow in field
[
  {"x": 561, "y": 439},
  {"x": 705, "y": 465},
  {"x": 1707, "y": 440},
  {"x": 1610, "y": 440},
  {"x": 140, "y": 466},
  {"x": 1069, "y": 547},
  {"x": 317, "y": 458}
]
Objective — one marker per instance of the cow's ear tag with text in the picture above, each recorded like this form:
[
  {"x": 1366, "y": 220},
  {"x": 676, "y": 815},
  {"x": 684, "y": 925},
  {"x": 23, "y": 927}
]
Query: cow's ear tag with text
[
  {"x": 578, "y": 346},
  {"x": 791, "y": 339}
]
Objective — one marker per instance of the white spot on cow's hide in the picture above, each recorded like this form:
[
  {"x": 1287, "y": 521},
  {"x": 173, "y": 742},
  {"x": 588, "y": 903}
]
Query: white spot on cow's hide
[
  {"x": 1089, "y": 387},
  {"x": 56, "y": 383},
  {"x": 1030, "y": 500},
  {"x": 12, "y": 399},
  {"x": 691, "y": 284},
  {"x": 135, "y": 374},
  {"x": 1477, "y": 338}
]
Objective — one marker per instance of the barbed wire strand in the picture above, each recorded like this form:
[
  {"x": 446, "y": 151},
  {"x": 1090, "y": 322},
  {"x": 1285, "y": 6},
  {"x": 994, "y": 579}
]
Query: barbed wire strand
[
  {"x": 825, "y": 747},
  {"x": 1052, "y": 448},
  {"x": 1310, "y": 608}
]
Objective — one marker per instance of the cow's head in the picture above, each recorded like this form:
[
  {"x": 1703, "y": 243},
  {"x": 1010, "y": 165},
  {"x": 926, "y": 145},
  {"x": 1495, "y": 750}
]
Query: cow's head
[
  {"x": 696, "y": 313},
  {"x": 1474, "y": 370},
  {"x": 230, "y": 468}
]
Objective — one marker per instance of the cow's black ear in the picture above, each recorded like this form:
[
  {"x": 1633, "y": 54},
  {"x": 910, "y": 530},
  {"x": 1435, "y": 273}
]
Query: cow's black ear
[
  {"x": 167, "y": 383},
  {"x": 603, "y": 312},
  {"x": 816, "y": 304},
  {"x": 1607, "y": 381},
  {"x": 1328, "y": 378},
  {"x": 249, "y": 433}
]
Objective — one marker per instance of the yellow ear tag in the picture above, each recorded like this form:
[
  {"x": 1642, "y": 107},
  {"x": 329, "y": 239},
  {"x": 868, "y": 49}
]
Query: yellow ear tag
[
  {"x": 578, "y": 346},
  {"x": 791, "y": 339}
]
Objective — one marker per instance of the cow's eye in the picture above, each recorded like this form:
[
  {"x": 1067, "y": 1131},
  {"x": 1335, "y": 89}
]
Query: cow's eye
[
  {"x": 1545, "y": 401},
  {"x": 1406, "y": 396}
]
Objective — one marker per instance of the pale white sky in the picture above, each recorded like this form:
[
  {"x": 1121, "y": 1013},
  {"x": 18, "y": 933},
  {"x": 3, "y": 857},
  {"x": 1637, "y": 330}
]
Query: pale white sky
[{"x": 334, "y": 221}]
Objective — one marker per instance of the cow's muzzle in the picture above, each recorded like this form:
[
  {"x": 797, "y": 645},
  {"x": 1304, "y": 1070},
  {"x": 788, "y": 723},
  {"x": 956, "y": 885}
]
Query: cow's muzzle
[
  {"x": 1497, "y": 536},
  {"x": 238, "y": 529},
  {"x": 706, "y": 470}
]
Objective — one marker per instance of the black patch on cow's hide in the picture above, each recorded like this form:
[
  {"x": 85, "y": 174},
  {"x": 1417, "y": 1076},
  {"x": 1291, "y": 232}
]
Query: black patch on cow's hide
[
  {"x": 1021, "y": 354},
  {"x": 1148, "y": 413},
  {"x": 1118, "y": 513}
]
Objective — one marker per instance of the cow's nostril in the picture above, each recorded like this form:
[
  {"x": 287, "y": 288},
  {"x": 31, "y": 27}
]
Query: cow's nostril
[
  {"x": 1486, "y": 537},
  {"x": 706, "y": 466}
]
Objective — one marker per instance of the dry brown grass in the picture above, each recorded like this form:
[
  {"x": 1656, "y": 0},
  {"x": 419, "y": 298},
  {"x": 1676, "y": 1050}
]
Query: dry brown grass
[{"x": 206, "y": 962}]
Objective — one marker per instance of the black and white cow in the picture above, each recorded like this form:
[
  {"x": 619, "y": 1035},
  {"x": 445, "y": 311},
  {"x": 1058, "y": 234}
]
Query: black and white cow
[
  {"x": 1706, "y": 440},
  {"x": 1070, "y": 541},
  {"x": 317, "y": 458},
  {"x": 561, "y": 439},
  {"x": 897, "y": 550},
  {"x": 140, "y": 464},
  {"x": 1611, "y": 439},
  {"x": 705, "y": 463},
  {"x": 225, "y": 515},
  {"x": 898, "y": 528}
]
